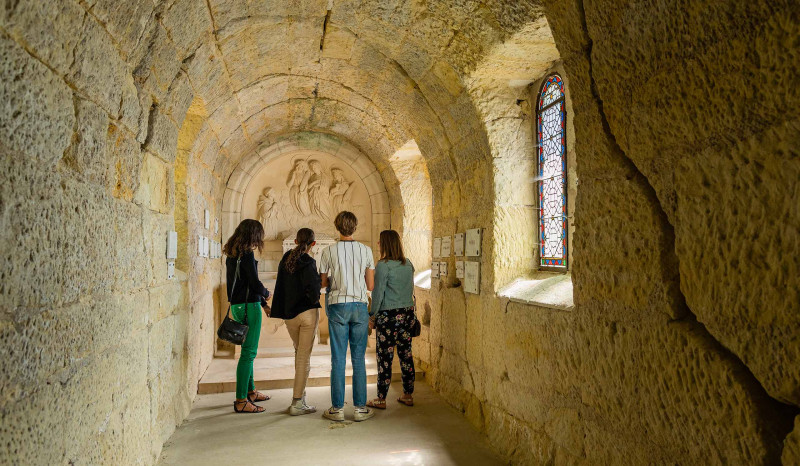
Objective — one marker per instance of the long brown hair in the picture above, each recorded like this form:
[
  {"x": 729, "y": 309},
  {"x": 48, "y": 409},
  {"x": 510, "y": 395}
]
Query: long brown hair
[
  {"x": 249, "y": 235},
  {"x": 391, "y": 247},
  {"x": 305, "y": 237}
]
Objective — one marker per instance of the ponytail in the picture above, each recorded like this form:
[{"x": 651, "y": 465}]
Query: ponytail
[{"x": 305, "y": 237}]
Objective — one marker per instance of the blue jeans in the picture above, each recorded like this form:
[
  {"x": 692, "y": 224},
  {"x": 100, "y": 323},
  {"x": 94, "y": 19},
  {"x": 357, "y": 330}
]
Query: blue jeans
[{"x": 348, "y": 322}]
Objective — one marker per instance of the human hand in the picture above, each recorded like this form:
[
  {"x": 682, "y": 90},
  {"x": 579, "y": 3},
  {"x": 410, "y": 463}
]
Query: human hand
[{"x": 267, "y": 309}]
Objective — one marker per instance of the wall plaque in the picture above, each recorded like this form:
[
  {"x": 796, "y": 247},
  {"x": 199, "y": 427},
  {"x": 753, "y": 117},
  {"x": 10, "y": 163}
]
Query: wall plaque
[
  {"x": 434, "y": 270},
  {"x": 437, "y": 247},
  {"x": 442, "y": 269},
  {"x": 472, "y": 277},
  {"x": 473, "y": 246},
  {"x": 459, "y": 269},
  {"x": 446, "y": 242},
  {"x": 458, "y": 244}
]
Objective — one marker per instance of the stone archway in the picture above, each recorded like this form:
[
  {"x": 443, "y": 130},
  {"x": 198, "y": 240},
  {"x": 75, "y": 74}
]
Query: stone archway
[{"x": 302, "y": 180}]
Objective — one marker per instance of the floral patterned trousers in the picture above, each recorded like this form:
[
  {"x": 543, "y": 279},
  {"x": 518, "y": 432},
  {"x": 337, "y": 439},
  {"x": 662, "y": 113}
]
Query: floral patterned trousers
[{"x": 394, "y": 329}]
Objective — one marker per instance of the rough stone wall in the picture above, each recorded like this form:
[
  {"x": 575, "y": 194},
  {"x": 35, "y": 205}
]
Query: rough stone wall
[
  {"x": 680, "y": 347},
  {"x": 94, "y": 337}
]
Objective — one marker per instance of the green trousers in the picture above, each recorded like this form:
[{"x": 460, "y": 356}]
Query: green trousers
[{"x": 244, "y": 370}]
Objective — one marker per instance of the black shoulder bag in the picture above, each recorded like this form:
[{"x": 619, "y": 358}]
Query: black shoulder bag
[
  {"x": 231, "y": 330},
  {"x": 416, "y": 327}
]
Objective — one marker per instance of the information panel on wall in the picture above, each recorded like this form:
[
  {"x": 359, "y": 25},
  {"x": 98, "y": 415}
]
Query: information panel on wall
[
  {"x": 473, "y": 246},
  {"x": 458, "y": 244},
  {"x": 434, "y": 270},
  {"x": 472, "y": 277},
  {"x": 442, "y": 269},
  {"x": 446, "y": 242},
  {"x": 459, "y": 269},
  {"x": 437, "y": 247}
]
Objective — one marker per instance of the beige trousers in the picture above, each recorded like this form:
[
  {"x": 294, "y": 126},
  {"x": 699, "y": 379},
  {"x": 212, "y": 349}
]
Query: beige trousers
[{"x": 303, "y": 330}]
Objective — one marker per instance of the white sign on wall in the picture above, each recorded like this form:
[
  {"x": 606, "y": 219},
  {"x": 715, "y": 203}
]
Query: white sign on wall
[
  {"x": 172, "y": 245},
  {"x": 442, "y": 269},
  {"x": 446, "y": 241},
  {"x": 473, "y": 246},
  {"x": 207, "y": 219},
  {"x": 216, "y": 225},
  {"x": 437, "y": 247},
  {"x": 205, "y": 246},
  {"x": 434, "y": 270},
  {"x": 458, "y": 244},
  {"x": 472, "y": 277},
  {"x": 459, "y": 269}
]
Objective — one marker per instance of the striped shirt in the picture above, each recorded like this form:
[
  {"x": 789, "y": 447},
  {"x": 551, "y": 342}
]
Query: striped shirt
[{"x": 346, "y": 262}]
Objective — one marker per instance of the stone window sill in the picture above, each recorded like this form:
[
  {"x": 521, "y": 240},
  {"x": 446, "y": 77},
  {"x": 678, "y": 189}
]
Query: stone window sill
[
  {"x": 422, "y": 280},
  {"x": 544, "y": 289}
]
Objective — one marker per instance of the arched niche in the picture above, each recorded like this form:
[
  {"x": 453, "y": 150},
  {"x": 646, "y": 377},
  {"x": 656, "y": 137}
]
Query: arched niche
[{"x": 311, "y": 177}]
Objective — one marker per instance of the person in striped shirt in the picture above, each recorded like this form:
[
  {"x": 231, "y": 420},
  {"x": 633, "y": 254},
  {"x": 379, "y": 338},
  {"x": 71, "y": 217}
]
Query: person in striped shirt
[{"x": 347, "y": 269}]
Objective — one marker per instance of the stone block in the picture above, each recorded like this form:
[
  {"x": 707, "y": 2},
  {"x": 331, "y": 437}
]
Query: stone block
[
  {"x": 125, "y": 21},
  {"x": 87, "y": 153},
  {"x": 188, "y": 22},
  {"x": 156, "y": 185},
  {"x": 37, "y": 114},
  {"x": 162, "y": 137},
  {"x": 125, "y": 156},
  {"x": 98, "y": 69},
  {"x": 48, "y": 29}
]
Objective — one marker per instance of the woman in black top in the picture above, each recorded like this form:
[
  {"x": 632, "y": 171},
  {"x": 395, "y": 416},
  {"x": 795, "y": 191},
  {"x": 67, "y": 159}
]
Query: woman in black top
[
  {"x": 247, "y": 295},
  {"x": 296, "y": 300}
]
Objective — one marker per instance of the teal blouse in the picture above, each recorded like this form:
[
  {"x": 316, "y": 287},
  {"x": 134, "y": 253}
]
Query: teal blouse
[{"x": 394, "y": 286}]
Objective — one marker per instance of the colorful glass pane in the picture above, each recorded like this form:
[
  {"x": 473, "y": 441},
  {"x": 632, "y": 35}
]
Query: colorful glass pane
[{"x": 552, "y": 162}]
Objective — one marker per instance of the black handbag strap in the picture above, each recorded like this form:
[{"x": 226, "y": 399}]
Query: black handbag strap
[{"x": 247, "y": 294}]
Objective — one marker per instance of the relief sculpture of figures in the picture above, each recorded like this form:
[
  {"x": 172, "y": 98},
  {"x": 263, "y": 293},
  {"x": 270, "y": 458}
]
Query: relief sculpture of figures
[
  {"x": 268, "y": 213},
  {"x": 317, "y": 197},
  {"x": 341, "y": 191},
  {"x": 298, "y": 186}
]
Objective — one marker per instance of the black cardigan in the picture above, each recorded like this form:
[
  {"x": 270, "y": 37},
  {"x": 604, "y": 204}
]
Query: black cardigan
[
  {"x": 296, "y": 292},
  {"x": 248, "y": 280}
]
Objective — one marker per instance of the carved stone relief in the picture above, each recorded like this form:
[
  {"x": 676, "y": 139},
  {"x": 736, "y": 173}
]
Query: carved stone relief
[{"x": 306, "y": 190}]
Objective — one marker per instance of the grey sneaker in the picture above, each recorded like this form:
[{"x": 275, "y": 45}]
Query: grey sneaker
[
  {"x": 300, "y": 407},
  {"x": 363, "y": 413},
  {"x": 334, "y": 414}
]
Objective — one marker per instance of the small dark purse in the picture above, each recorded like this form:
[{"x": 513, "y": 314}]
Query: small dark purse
[
  {"x": 416, "y": 327},
  {"x": 231, "y": 330}
]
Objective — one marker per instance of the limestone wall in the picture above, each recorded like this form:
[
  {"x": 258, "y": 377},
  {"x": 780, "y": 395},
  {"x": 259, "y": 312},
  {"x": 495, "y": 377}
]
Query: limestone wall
[{"x": 120, "y": 121}]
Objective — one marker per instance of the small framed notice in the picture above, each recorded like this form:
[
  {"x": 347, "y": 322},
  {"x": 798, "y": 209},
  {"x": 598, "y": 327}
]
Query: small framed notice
[
  {"x": 206, "y": 218},
  {"x": 442, "y": 269},
  {"x": 473, "y": 246},
  {"x": 458, "y": 244},
  {"x": 472, "y": 277},
  {"x": 446, "y": 242},
  {"x": 459, "y": 269},
  {"x": 434, "y": 270},
  {"x": 437, "y": 247}
]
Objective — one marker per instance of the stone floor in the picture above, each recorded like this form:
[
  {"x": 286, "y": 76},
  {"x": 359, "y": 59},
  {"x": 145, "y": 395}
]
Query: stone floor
[{"x": 430, "y": 433}]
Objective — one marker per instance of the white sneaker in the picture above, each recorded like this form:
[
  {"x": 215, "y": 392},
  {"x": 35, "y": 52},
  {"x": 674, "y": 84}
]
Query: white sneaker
[
  {"x": 363, "y": 413},
  {"x": 300, "y": 407},
  {"x": 334, "y": 414}
]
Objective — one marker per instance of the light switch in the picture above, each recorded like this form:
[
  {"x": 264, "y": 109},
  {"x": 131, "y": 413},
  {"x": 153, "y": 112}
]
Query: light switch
[{"x": 172, "y": 245}]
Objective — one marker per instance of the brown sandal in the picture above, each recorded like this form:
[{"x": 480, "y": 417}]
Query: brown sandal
[
  {"x": 406, "y": 401},
  {"x": 243, "y": 407},
  {"x": 377, "y": 403},
  {"x": 257, "y": 396}
]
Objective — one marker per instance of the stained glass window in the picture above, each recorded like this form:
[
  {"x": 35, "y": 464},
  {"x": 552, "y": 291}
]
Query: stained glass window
[{"x": 552, "y": 178}]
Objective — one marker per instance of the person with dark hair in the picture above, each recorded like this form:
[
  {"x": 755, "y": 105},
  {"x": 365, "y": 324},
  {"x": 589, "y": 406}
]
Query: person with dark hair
[
  {"x": 296, "y": 300},
  {"x": 247, "y": 296},
  {"x": 392, "y": 315},
  {"x": 347, "y": 269}
]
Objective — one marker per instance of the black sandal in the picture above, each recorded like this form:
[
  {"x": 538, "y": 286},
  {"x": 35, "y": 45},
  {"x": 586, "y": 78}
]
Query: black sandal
[
  {"x": 256, "y": 399},
  {"x": 245, "y": 403}
]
